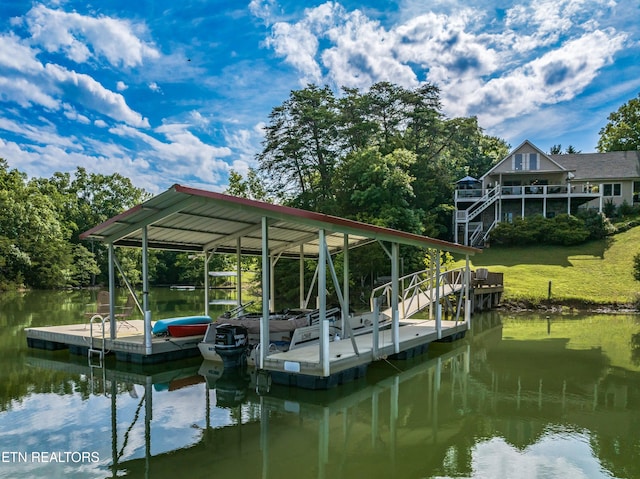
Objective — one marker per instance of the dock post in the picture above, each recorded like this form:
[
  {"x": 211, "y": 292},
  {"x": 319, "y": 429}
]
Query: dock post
[
  {"x": 438, "y": 305},
  {"x": 145, "y": 292},
  {"x": 264, "y": 323},
  {"x": 322, "y": 299},
  {"x": 395, "y": 319},
  {"x": 376, "y": 327},
  {"x": 112, "y": 292}
]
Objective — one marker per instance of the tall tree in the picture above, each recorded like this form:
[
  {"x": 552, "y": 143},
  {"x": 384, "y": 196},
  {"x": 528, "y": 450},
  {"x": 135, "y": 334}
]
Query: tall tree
[
  {"x": 301, "y": 148},
  {"x": 622, "y": 132}
]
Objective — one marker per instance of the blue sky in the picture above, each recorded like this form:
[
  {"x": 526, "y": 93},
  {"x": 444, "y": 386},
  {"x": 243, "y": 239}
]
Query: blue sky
[{"x": 171, "y": 92}]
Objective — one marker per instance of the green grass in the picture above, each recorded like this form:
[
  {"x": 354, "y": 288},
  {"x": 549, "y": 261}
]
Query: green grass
[{"x": 596, "y": 272}]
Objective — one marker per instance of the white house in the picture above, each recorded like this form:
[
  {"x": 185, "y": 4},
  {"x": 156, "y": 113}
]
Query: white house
[{"x": 528, "y": 182}]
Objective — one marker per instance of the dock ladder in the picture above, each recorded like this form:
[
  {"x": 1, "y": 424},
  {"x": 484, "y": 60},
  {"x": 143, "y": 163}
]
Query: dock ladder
[{"x": 93, "y": 351}]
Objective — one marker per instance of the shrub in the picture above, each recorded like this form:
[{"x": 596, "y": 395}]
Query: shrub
[
  {"x": 561, "y": 230},
  {"x": 596, "y": 223},
  {"x": 636, "y": 267},
  {"x": 609, "y": 209},
  {"x": 567, "y": 230}
]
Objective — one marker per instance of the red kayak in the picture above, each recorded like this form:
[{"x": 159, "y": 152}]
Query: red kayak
[{"x": 182, "y": 330}]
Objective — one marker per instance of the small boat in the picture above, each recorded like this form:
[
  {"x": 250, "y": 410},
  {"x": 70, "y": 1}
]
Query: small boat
[
  {"x": 289, "y": 329},
  {"x": 161, "y": 327},
  {"x": 232, "y": 344},
  {"x": 182, "y": 330}
]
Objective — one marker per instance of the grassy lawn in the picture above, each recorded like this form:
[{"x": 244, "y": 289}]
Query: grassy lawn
[{"x": 598, "y": 272}]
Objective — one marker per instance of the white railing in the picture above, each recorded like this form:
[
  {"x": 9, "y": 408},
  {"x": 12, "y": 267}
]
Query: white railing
[
  {"x": 418, "y": 290},
  {"x": 479, "y": 205}
]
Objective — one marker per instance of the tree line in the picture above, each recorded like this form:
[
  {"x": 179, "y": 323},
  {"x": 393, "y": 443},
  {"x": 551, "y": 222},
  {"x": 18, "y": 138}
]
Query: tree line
[{"x": 386, "y": 156}]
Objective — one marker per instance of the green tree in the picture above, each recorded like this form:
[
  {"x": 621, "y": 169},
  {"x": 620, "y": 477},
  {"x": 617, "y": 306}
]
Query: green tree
[
  {"x": 622, "y": 132},
  {"x": 301, "y": 149},
  {"x": 250, "y": 187},
  {"x": 376, "y": 188}
]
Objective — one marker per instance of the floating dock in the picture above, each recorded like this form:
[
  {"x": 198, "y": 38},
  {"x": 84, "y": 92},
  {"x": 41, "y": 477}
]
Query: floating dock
[
  {"x": 203, "y": 222},
  {"x": 299, "y": 367},
  {"x": 127, "y": 347}
]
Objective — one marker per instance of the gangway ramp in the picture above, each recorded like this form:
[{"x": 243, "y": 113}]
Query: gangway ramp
[{"x": 417, "y": 291}]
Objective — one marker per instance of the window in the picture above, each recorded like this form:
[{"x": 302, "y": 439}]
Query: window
[
  {"x": 518, "y": 161},
  {"x": 523, "y": 161},
  {"x": 612, "y": 189}
]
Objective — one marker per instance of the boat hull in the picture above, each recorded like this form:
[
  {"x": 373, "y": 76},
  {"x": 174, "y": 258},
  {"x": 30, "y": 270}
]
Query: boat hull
[{"x": 184, "y": 330}]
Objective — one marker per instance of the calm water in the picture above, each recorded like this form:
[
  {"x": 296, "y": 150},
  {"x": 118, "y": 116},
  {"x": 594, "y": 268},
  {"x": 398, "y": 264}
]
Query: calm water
[{"x": 523, "y": 397}]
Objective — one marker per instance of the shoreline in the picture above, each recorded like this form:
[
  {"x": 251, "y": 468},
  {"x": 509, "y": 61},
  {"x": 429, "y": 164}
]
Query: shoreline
[{"x": 567, "y": 306}]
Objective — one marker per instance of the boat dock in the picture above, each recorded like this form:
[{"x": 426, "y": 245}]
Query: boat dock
[
  {"x": 128, "y": 347},
  {"x": 202, "y": 222}
]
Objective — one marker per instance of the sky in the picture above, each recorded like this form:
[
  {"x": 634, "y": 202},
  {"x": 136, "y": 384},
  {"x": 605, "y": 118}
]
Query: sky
[{"x": 167, "y": 92}]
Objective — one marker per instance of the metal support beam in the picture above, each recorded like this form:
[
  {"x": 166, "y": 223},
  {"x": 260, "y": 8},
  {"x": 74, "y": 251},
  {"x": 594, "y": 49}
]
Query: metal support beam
[
  {"x": 301, "y": 278},
  {"x": 145, "y": 292},
  {"x": 345, "y": 280},
  {"x": 438, "y": 288},
  {"x": 264, "y": 322},
  {"x": 207, "y": 256},
  {"x": 322, "y": 300},
  {"x": 395, "y": 279},
  {"x": 239, "y": 270},
  {"x": 467, "y": 293},
  {"x": 343, "y": 305},
  {"x": 112, "y": 292}
]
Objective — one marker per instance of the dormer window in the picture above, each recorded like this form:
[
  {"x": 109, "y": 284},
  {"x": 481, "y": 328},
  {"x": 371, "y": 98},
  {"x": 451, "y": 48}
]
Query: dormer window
[{"x": 525, "y": 161}]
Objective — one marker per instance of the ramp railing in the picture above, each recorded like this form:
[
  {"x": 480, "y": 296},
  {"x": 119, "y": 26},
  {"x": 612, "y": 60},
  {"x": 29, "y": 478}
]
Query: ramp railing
[{"x": 418, "y": 290}]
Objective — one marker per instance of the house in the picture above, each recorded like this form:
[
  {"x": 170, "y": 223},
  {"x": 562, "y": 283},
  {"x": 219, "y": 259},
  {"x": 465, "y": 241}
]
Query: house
[{"x": 530, "y": 182}]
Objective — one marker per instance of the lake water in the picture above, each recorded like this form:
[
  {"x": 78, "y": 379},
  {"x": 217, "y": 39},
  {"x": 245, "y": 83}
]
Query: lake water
[{"x": 524, "y": 396}]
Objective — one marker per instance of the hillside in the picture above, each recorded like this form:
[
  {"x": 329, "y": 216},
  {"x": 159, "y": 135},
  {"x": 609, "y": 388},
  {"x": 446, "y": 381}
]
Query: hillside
[{"x": 598, "y": 272}]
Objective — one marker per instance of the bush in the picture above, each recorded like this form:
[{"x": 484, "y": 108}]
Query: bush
[
  {"x": 609, "y": 209},
  {"x": 596, "y": 223},
  {"x": 567, "y": 230},
  {"x": 636, "y": 267},
  {"x": 561, "y": 230}
]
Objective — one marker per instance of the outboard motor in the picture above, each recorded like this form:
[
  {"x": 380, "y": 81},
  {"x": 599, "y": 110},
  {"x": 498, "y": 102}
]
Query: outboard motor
[{"x": 232, "y": 344}]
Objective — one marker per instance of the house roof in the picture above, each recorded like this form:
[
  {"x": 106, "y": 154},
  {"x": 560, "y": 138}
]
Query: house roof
[
  {"x": 189, "y": 219},
  {"x": 508, "y": 157},
  {"x": 611, "y": 165}
]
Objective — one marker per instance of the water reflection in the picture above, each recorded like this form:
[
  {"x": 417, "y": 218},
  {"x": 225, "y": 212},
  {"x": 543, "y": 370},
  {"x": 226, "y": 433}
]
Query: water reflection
[{"x": 523, "y": 397}]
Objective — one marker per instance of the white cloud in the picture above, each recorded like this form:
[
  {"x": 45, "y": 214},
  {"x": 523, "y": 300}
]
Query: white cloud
[
  {"x": 153, "y": 86},
  {"x": 539, "y": 54},
  {"x": 91, "y": 94},
  {"x": 555, "y": 77},
  {"x": 121, "y": 86},
  {"x": 16, "y": 56},
  {"x": 80, "y": 36}
]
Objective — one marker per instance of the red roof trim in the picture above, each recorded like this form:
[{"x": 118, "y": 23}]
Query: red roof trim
[
  {"x": 288, "y": 211},
  {"x": 296, "y": 212}
]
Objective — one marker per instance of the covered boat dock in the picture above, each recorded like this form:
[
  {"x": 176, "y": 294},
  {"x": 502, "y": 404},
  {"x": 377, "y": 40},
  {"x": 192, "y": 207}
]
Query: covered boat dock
[{"x": 204, "y": 222}]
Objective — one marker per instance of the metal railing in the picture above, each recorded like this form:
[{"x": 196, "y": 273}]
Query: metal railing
[{"x": 418, "y": 290}]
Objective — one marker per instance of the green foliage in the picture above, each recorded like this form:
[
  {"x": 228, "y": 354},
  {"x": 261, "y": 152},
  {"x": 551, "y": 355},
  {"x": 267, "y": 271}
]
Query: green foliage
[
  {"x": 596, "y": 223},
  {"x": 609, "y": 209},
  {"x": 636, "y": 267},
  {"x": 317, "y": 148},
  {"x": 622, "y": 132},
  {"x": 41, "y": 220},
  {"x": 561, "y": 230}
]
